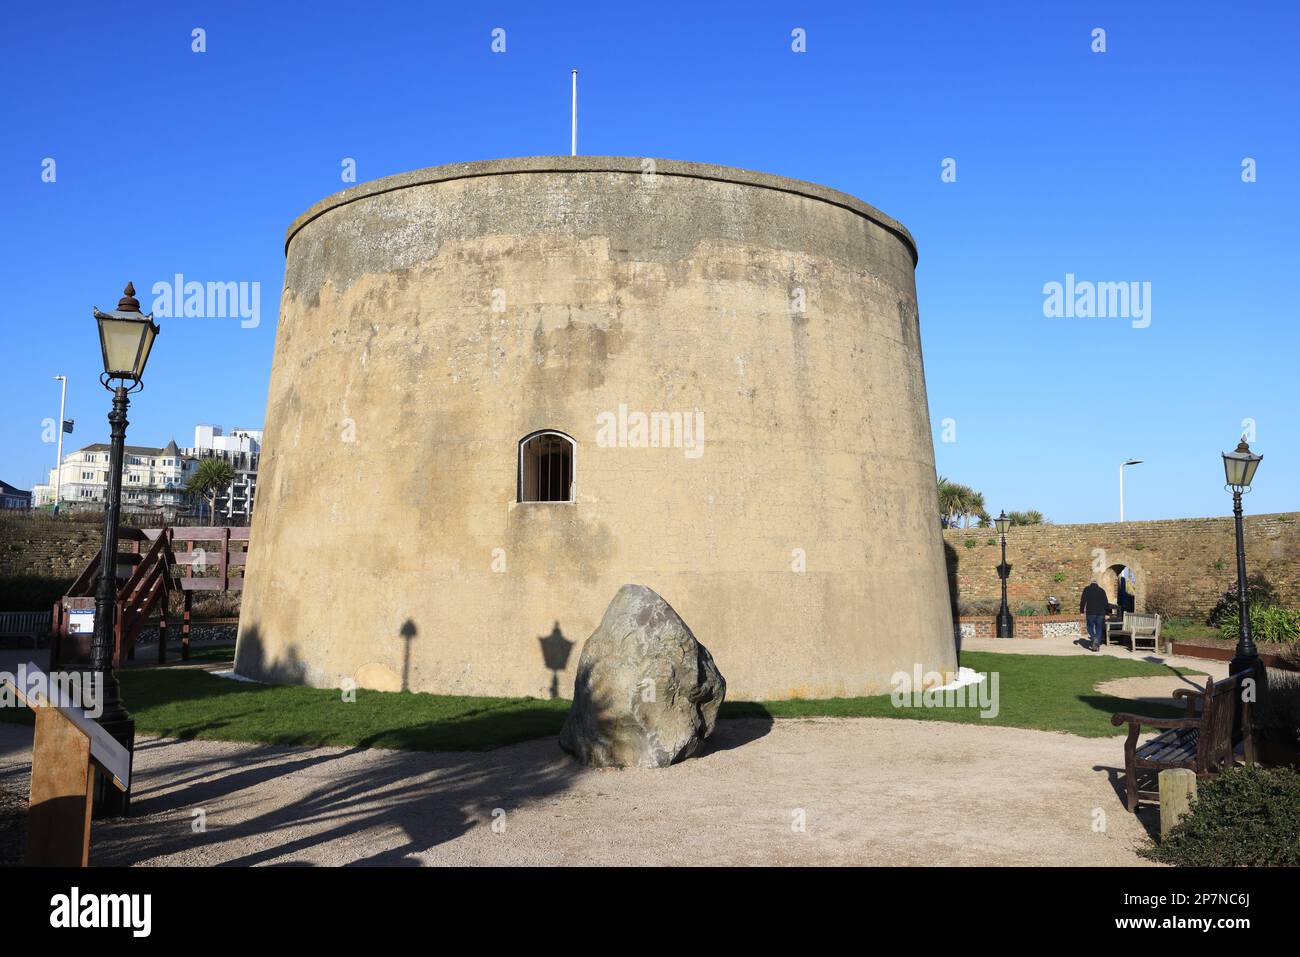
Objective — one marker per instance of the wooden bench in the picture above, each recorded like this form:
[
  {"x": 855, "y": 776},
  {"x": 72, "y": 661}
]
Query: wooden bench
[
  {"x": 1204, "y": 742},
  {"x": 1142, "y": 631},
  {"x": 31, "y": 626}
]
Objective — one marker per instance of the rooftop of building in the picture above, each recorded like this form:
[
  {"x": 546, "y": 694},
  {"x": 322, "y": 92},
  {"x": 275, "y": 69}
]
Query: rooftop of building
[{"x": 169, "y": 449}]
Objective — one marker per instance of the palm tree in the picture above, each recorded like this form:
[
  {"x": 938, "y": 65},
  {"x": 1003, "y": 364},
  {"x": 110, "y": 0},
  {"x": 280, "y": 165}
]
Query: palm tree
[
  {"x": 958, "y": 504},
  {"x": 1031, "y": 517},
  {"x": 949, "y": 502},
  {"x": 210, "y": 479}
]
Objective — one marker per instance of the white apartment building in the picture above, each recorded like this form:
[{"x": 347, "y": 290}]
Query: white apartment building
[
  {"x": 154, "y": 478},
  {"x": 242, "y": 448},
  {"x": 151, "y": 478}
]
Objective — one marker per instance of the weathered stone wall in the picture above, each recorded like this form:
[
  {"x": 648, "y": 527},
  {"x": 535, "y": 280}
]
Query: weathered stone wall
[
  {"x": 1187, "y": 562},
  {"x": 432, "y": 320},
  {"x": 42, "y": 546},
  {"x": 41, "y": 557}
]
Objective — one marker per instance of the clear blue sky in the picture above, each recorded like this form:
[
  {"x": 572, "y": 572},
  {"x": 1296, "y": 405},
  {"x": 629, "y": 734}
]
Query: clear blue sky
[{"x": 1122, "y": 166}]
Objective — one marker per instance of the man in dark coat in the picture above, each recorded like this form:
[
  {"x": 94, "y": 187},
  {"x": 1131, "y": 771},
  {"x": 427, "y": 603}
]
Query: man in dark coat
[{"x": 1094, "y": 603}]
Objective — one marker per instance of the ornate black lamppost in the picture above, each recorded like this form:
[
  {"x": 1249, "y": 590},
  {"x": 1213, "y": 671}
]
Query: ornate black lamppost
[
  {"x": 1006, "y": 627},
  {"x": 125, "y": 336},
  {"x": 1239, "y": 469}
]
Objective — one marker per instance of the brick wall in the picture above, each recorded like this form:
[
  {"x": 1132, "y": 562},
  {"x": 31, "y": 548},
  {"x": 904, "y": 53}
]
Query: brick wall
[
  {"x": 42, "y": 546},
  {"x": 1181, "y": 564},
  {"x": 977, "y": 626},
  {"x": 41, "y": 557},
  {"x": 1025, "y": 626},
  {"x": 1192, "y": 559}
]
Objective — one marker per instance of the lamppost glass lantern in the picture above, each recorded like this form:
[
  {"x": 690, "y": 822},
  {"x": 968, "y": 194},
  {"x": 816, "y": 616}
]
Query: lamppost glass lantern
[
  {"x": 1002, "y": 523},
  {"x": 126, "y": 338},
  {"x": 1239, "y": 465}
]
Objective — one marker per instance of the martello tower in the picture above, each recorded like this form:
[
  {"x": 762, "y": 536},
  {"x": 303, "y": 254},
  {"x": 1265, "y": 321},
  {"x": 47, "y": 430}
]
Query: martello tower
[{"x": 503, "y": 389}]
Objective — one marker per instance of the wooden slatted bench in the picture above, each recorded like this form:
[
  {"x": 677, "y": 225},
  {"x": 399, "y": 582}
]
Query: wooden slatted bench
[
  {"x": 1142, "y": 631},
  {"x": 1204, "y": 742},
  {"x": 29, "y": 626}
]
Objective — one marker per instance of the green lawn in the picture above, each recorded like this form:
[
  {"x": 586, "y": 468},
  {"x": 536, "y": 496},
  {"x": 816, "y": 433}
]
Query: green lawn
[
  {"x": 198, "y": 652},
  {"x": 1047, "y": 693},
  {"x": 1185, "y": 629},
  {"x": 1052, "y": 693}
]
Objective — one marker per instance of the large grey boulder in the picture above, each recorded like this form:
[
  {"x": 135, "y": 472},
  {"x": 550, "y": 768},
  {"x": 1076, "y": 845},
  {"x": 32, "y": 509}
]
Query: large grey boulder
[{"x": 647, "y": 693}]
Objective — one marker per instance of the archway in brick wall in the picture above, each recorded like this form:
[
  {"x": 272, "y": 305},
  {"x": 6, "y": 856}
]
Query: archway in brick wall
[{"x": 1108, "y": 578}]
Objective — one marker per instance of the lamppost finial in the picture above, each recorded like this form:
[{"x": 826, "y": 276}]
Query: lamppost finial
[
  {"x": 1242, "y": 446},
  {"x": 129, "y": 303}
]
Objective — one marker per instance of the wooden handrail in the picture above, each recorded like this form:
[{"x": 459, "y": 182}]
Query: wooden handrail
[
  {"x": 139, "y": 597},
  {"x": 200, "y": 533},
  {"x": 85, "y": 583},
  {"x": 154, "y": 575},
  {"x": 144, "y": 567}
]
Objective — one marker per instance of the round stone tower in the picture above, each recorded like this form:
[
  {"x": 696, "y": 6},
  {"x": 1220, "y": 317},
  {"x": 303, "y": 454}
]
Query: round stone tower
[{"x": 502, "y": 390}]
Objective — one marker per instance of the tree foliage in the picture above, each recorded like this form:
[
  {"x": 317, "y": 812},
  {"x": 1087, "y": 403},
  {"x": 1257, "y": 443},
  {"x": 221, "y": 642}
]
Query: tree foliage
[
  {"x": 212, "y": 477},
  {"x": 1029, "y": 517},
  {"x": 960, "y": 505}
]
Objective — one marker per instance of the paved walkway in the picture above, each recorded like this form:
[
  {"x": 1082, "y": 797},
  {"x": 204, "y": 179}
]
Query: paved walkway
[{"x": 866, "y": 791}]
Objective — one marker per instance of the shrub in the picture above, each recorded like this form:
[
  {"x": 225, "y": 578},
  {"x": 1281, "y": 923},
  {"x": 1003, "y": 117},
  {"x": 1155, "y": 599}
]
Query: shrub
[
  {"x": 1029, "y": 611},
  {"x": 1163, "y": 599},
  {"x": 1059, "y": 577},
  {"x": 1267, "y": 623},
  {"x": 1259, "y": 592},
  {"x": 971, "y": 543},
  {"x": 1246, "y": 817},
  {"x": 216, "y": 604}
]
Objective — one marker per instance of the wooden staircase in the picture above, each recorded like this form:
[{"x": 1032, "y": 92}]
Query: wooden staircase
[
  {"x": 155, "y": 569},
  {"x": 144, "y": 592}
]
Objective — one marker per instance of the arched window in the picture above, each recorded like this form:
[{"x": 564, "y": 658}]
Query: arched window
[{"x": 546, "y": 467}]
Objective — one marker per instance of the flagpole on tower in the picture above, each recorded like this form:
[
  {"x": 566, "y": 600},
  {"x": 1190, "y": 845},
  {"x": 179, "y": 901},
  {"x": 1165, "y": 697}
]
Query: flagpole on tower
[
  {"x": 58, "y": 455},
  {"x": 573, "y": 147}
]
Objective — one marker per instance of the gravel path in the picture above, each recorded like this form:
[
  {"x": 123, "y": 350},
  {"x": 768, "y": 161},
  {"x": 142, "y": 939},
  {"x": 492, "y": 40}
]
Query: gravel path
[
  {"x": 1157, "y": 689},
  {"x": 1071, "y": 646},
  {"x": 867, "y": 791}
]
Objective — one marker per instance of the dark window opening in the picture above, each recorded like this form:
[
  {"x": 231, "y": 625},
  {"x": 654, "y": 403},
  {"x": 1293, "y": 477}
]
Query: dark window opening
[{"x": 546, "y": 468}]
